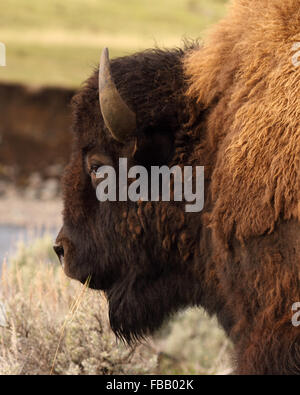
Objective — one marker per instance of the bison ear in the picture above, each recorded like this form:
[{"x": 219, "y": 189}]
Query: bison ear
[{"x": 154, "y": 150}]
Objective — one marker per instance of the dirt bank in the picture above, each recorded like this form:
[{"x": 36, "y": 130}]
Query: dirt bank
[{"x": 34, "y": 131}]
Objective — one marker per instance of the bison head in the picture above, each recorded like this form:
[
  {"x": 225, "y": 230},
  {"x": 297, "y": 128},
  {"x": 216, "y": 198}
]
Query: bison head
[{"x": 142, "y": 255}]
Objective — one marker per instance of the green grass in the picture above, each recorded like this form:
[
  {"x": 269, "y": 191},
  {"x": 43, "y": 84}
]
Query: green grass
[{"x": 55, "y": 42}]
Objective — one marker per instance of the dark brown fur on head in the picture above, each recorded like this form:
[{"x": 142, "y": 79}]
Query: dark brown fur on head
[{"x": 140, "y": 254}]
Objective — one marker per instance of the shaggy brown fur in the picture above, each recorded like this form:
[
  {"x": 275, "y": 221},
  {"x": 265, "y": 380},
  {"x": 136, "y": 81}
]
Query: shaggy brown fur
[
  {"x": 240, "y": 257},
  {"x": 245, "y": 73},
  {"x": 245, "y": 81}
]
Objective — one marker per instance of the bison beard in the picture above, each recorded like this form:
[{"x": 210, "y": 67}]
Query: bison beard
[
  {"x": 231, "y": 106},
  {"x": 133, "y": 313}
]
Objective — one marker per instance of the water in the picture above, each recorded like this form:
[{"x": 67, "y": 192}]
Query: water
[{"x": 10, "y": 235}]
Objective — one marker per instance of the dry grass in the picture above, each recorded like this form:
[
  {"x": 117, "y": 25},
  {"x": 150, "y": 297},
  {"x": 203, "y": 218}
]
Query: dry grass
[
  {"x": 53, "y": 324},
  {"x": 38, "y": 299}
]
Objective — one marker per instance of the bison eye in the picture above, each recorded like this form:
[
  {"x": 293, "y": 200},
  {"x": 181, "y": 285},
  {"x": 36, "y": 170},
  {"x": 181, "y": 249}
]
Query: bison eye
[{"x": 94, "y": 169}]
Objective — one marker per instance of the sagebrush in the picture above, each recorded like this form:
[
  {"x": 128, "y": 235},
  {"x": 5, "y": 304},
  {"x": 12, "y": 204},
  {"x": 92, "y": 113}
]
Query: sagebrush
[{"x": 40, "y": 334}]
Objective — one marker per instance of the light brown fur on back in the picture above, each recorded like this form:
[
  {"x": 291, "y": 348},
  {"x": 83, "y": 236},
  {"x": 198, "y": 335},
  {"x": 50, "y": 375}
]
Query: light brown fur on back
[{"x": 245, "y": 78}]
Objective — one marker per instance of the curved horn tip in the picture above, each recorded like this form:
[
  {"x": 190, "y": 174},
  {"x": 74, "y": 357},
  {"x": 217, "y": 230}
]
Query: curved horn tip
[
  {"x": 104, "y": 56},
  {"x": 104, "y": 68}
]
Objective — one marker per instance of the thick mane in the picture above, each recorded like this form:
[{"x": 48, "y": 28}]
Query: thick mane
[{"x": 246, "y": 75}]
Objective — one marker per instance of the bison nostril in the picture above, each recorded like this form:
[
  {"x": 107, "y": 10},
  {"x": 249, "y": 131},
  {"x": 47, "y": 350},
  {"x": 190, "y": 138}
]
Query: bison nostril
[{"x": 59, "y": 250}]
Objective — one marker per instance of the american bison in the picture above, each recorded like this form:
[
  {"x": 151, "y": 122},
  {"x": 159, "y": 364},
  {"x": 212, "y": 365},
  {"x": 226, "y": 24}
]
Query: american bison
[{"x": 233, "y": 107}]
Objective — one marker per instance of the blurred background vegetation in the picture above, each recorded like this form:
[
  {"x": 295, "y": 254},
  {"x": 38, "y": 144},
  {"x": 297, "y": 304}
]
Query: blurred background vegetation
[{"x": 57, "y": 42}]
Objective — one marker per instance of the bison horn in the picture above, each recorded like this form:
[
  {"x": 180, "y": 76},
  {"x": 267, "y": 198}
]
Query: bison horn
[{"x": 118, "y": 117}]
